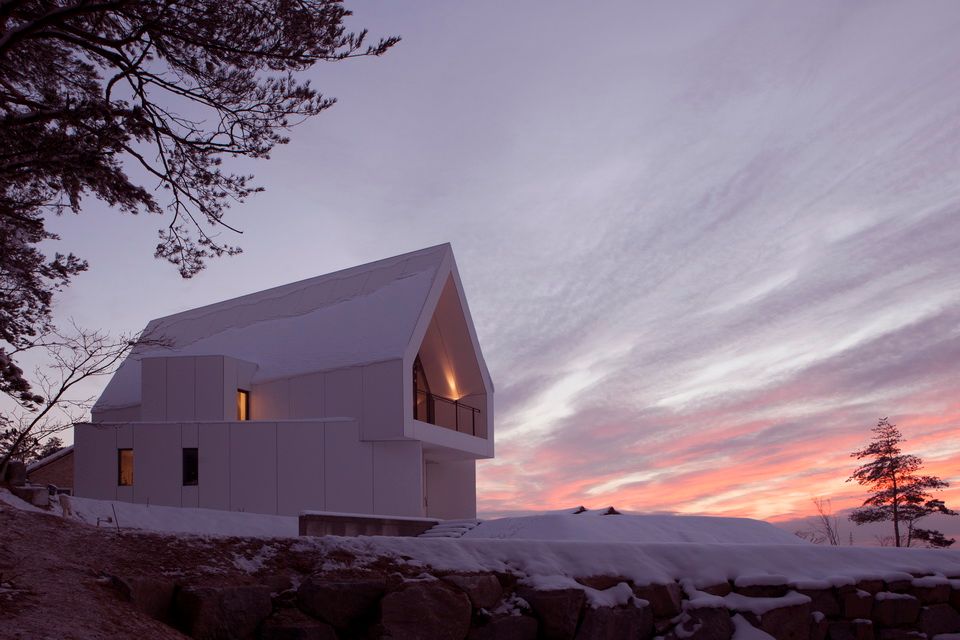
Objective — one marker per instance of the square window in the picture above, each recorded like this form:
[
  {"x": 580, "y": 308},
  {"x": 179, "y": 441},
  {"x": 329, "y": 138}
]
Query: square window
[
  {"x": 191, "y": 467},
  {"x": 125, "y": 467},
  {"x": 243, "y": 404}
]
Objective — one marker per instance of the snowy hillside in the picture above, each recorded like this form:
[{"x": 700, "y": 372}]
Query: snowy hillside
[{"x": 593, "y": 525}]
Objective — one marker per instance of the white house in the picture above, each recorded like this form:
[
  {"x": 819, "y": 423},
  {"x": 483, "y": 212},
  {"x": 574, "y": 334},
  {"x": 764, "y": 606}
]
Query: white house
[{"x": 361, "y": 391}]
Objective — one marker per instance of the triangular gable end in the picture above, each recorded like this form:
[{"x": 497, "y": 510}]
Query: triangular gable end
[{"x": 446, "y": 354}]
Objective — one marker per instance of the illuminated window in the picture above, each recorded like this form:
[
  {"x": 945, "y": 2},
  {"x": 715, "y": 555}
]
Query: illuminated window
[
  {"x": 125, "y": 467},
  {"x": 243, "y": 404},
  {"x": 191, "y": 467}
]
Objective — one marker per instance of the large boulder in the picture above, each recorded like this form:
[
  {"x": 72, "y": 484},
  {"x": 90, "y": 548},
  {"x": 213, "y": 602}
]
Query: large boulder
[
  {"x": 707, "y": 623},
  {"x": 341, "y": 602},
  {"x": 506, "y": 628},
  {"x": 558, "y": 611},
  {"x": 291, "y": 624},
  {"x": 939, "y": 618},
  {"x": 484, "y": 591},
  {"x": 823, "y": 600},
  {"x": 850, "y": 630},
  {"x": 152, "y": 596},
  {"x": 425, "y": 610},
  {"x": 895, "y": 609},
  {"x": 857, "y": 603},
  {"x": 931, "y": 591},
  {"x": 222, "y": 613},
  {"x": 616, "y": 622},
  {"x": 788, "y": 622},
  {"x": 664, "y": 599}
]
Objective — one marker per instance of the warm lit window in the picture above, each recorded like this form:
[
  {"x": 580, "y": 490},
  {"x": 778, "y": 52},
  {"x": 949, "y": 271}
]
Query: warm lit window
[
  {"x": 191, "y": 467},
  {"x": 243, "y": 404},
  {"x": 125, "y": 467}
]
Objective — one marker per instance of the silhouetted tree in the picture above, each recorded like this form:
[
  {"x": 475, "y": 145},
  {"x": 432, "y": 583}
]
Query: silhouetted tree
[
  {"x": 116, "y": 98},
  {"x": 899, "y": 494},
  {"x": 825, "y": 527},
  {"x": 71, "y": 358}
]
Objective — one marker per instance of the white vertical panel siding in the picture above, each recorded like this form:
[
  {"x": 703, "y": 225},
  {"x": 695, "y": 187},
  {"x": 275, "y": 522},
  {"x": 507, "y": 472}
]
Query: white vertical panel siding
[
  {"x": 95, "y": 461},
  {"x": 214, "y": 487},
  {"x": 157, "y": 464},
  {"x": 348, "y": 469},
  {"x": 300, "y": 479},
  {"x": 306, "y": 396},
  {"x": 398, "y": 478},
  {"x": 209, "y": 388},
  {"x": 181, "y": 384},
  {"x": 153, "y": 389},
  {"x": 253, "y": 467},
  {"x": 270, "y": 401},
  {"x": 451, "y": 489},
  {"x": 343, "y": 393},
  {"x": 382, "y": 417}
]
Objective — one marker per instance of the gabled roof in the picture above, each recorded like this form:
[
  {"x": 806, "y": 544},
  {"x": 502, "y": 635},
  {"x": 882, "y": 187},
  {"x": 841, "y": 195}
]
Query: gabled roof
[
  {"x": 56, "y": 455},
  {"x": 351, "y": 317}
]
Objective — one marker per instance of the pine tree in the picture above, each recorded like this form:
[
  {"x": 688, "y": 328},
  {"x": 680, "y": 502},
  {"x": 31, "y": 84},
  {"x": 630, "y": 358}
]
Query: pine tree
[{"x": 899, "y": 494}]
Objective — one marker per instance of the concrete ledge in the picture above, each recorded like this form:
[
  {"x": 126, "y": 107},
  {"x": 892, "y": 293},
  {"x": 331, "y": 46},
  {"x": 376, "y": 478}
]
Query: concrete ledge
[{"x": 319, "y": 523}]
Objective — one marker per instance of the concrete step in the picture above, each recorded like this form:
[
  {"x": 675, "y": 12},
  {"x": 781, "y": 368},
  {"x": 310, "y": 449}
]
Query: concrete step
[{"x": 450, "y": 529}]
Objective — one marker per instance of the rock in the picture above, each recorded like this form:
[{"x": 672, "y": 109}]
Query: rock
[
  {"x": 151, "y": 596},
  {"x": 707, "y": 623},
  {"x": 870, "y": 586},
  {"x": 340, "y": 602},
  {"x": 791, "y": 622},
  {"x": 664, "y": 599},
  {"x": 558, "y": 611},
  {"x": 824, "y": 601},
  {"x": 484, "y": 591},
  {"x": 892, "y": 610},
  {"x": 602, "y": 583},
  {"x": 850, "y": 630},
  {"x": 222, "y": 613},
  {"x": 939, "y": 618},
  {"x": 615, "y": 622},
  {"x": 900, "y": 634},
  {"x": 857, "y": 604},
  {"x": 818, "y": 626},
  {"x": 955, "y": 598},
  {"x": 932, "y": 594},
  {"x": 291, "y": 624},
  {"x": 428, "y": 610},
  {"x": 763, "y": 590},
  {"x": 506, "y": 628},
  {"x": 720, "y": 589},
  {"x": 900, "y": 586}
]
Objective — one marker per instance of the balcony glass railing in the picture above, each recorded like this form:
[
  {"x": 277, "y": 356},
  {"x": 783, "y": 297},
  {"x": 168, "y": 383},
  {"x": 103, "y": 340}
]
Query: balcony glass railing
[{"x": 446, "y": 412}]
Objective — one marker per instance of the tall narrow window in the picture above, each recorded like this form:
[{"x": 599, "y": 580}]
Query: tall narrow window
[
  {"x": 243, "y": 404},
  {"x": 191, "y": 467},
  {"x": 422, "y": 399},
  {"x": 125, "y": 467}
]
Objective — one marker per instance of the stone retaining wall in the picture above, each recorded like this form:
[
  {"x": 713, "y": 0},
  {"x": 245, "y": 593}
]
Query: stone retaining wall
[{"x": 384, "y": 604}]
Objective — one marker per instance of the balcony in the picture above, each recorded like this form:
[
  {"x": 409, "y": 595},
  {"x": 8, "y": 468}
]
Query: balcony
[{"x": 446, "y": 412}]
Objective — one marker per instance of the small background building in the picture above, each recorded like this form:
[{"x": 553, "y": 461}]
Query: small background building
[
  {"x": 55, "y": 469},
  {"x": 361, "y": 391}
]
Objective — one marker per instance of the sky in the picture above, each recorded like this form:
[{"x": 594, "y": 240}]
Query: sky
[{"x": 705, "y": 245}]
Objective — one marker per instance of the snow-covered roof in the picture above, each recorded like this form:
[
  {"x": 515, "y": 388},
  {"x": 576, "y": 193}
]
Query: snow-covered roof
[
  {"x": 351, "y": 317},
  {"x": 44, "y": 461}
]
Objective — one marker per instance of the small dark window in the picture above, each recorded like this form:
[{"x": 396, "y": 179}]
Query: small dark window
[
  {"x": 125, "y": 467},
  {"x": 191, "y": 467},
  {"x": 243, "y": 404}
]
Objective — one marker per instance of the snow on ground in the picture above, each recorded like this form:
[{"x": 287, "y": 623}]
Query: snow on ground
[
  {"x": 627, "y": 527},
  {"x": 177, "y": 520},
  {"x": 644, "y": 549}
]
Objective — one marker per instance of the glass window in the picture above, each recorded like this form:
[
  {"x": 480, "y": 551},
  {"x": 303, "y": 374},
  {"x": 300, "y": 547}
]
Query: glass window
[
  {"x": 125, "y": 467},
  {"x": 243, "y": 404},
  {"x": 191, "y": 467}
]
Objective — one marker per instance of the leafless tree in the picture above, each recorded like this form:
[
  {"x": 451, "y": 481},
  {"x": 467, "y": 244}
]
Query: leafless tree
[
  {"x": 70, "y": 359},
  {"x": 824, "y": 528}
]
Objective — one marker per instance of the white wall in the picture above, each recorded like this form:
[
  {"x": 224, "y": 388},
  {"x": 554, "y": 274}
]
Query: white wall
[
  {"x": 261, "y": 467},
  {"x": 451, "y": 489}
]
